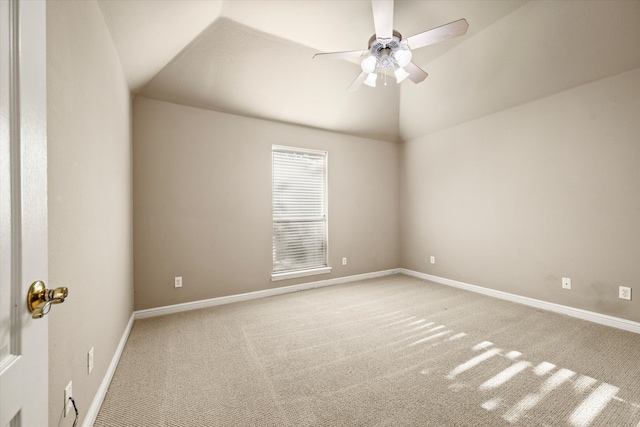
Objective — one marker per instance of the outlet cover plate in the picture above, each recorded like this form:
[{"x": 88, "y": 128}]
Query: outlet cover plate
[
  {"x": 178, "y": 282},
  {"x": 624, "y": 292},
  {"x": 566, "y": 283}
]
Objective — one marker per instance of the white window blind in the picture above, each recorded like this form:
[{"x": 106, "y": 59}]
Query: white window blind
[{"x": 299, "y": 212}]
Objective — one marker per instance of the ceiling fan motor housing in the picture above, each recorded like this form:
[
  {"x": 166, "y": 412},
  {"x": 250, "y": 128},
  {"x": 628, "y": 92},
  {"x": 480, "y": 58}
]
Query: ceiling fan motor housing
[{"x": 384, "y": 51}]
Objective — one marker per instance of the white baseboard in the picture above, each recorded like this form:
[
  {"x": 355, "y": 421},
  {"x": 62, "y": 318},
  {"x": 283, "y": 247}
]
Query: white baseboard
[
  {"x": 92, "y": 413},
  {"x": 602, "y": 319},
  {"x": 177, "y": 308},
  {"x": 591, "y": 316}
]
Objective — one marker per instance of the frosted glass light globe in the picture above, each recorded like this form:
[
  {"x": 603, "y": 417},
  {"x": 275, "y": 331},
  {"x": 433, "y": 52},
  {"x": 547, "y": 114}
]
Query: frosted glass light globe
[
  {"x": 368, "y": 64},
  {"x": 401, "y": 74},
  {"x": 402, "y": 56},
  {"x": 371, "y": 80}
]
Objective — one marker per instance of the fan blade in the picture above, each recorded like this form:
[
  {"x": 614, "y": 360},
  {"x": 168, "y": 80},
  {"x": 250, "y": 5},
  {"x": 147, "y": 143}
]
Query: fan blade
[
  {"x": 383, "y": 19},
  {"x": 341, "y": 55},
  {"x": 438, "y": 34},
  {"x": 416, "y": 74},
  {"x": 357, "y": 82}
]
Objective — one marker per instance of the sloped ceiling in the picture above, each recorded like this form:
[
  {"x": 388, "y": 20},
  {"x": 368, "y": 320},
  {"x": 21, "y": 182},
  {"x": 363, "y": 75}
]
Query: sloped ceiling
[
  {"x": 234, "y": 68},
  {"x": 538, "y": 50},
  {"x": 254, "y": 57},
  {"x": 149, "y": 33}
]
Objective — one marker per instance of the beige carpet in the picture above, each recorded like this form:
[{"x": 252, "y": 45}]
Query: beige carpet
[{"x": 393, "y": 351}]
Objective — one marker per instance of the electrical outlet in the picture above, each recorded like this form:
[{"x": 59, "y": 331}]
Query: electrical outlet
[
  {"x": 344, "y": 261},
  {"x": 90, "y": 361},
  {"x": 178, "y": 282},
  {"x": 624, "y": 292},
  {"x": 566, "y": 283},
  {"x": 68, "y": 392},
  {"x": 432, "y": 259}
]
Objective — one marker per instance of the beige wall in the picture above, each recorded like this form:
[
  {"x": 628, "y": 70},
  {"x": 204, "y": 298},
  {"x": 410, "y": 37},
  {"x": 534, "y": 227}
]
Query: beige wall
[
  {"x": 519, "y": 199},
  {"x": 90, "y": 206},
  {"x": 202, "y": 202},
  {"x": 511, "y": 201}
]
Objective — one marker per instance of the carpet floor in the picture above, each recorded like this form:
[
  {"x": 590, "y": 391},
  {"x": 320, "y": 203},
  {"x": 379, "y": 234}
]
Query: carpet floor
[{"x": 391, "y": 351}]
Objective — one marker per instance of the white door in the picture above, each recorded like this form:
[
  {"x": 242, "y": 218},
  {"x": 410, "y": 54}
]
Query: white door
[{"x": 23, "y": 212}]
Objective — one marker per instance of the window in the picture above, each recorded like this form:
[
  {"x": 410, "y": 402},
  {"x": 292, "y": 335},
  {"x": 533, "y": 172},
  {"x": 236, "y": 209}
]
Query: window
[{"x": 299, "y": 192}]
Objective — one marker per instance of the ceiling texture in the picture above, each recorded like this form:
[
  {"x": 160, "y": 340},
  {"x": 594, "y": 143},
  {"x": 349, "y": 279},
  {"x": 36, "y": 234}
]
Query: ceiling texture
[{"x": 255, "y": 57}]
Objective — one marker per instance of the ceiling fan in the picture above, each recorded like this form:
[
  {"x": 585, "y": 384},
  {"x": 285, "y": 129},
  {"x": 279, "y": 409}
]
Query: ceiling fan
[{"x": 387, "y": 48}]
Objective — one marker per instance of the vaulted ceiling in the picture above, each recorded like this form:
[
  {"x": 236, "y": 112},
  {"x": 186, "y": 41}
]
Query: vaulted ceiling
[{"x": 254, "y": 57}]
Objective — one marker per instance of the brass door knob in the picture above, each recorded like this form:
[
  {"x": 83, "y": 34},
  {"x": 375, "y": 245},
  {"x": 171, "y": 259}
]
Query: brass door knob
[{"x": 39, "y": 298}]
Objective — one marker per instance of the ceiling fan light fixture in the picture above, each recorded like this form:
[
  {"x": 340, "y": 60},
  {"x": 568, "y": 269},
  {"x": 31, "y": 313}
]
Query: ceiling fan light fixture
[
  {"x": 371, "y": 79},
  {"x": 369, "y": 64},
  {"x": 385, "y": 60},
  {"x": 401, "y": 74},
  {"x": 387, "y": 49},
  {"x": 402, "y": 57}
]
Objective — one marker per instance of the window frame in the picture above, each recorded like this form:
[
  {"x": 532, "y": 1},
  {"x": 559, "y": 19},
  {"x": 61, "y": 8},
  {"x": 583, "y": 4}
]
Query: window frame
[{"x": 307, "y": 271}]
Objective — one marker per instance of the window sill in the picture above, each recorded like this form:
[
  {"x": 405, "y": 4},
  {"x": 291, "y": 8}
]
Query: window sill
[{"x": 299, "y": 273}]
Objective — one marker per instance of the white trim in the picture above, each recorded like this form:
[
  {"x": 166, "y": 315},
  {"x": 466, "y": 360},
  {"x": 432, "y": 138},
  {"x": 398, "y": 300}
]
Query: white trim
[
  {"x": 590, "y": 316},
  {"x": 195, "y": 305},
  {"x": 290, "y": 149},
  {"x": 602, "y": 319},
  {"x": 300, "y": 273},
  {"x": 92, "y": 413},
  {"x": 325, "y": 214}
]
